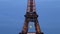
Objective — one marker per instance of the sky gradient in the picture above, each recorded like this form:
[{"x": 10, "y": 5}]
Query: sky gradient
[{"x": 12, "y": 16}]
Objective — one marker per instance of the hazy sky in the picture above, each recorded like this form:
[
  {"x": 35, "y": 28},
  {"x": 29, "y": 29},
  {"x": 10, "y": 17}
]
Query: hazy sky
[{"x": 12, "y": 16}]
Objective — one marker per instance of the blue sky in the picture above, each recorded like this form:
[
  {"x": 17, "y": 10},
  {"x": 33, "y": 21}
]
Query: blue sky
[{"x": 12, "y": 16}]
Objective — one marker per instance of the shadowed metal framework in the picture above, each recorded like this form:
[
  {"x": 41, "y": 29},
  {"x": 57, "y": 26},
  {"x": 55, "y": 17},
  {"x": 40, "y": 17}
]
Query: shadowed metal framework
[{"x": 31, "y": 16}]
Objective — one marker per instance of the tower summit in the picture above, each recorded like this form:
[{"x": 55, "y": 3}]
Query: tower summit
[{"x": 31, "y": 16}]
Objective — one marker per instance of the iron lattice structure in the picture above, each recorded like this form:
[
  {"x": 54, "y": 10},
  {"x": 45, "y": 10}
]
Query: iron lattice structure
[{"x": 31, "y": 16}]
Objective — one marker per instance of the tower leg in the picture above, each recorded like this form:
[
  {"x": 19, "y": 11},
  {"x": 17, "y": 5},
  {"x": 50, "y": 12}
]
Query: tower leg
[
  {"x": 37, "y": 28},
  {"x": 25, "y": 27}
]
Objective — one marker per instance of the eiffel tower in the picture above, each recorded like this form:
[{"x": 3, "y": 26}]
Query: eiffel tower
[{"x": 31, "y": 16}]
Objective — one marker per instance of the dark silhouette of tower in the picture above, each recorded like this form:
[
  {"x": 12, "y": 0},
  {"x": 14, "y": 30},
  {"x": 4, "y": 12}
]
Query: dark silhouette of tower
[{"x": 31, "y": 16}]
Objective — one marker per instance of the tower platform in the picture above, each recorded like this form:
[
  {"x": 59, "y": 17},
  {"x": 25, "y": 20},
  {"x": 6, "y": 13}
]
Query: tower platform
[{"x": 31, "y": 33}]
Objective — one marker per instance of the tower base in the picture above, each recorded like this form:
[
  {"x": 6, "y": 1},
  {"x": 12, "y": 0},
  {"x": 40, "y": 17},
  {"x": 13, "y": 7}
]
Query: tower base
[{"x": 31, "y": 33}]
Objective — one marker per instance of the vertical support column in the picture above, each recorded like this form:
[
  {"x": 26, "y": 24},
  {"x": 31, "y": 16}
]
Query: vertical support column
[
  {"x": 34, "y": 8},
  {"x": 28, "y": 4},
  {"x": 31, "y": 6},
  {"x": 37, "y": 27},
  {"x": 25, "y": 27}
]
